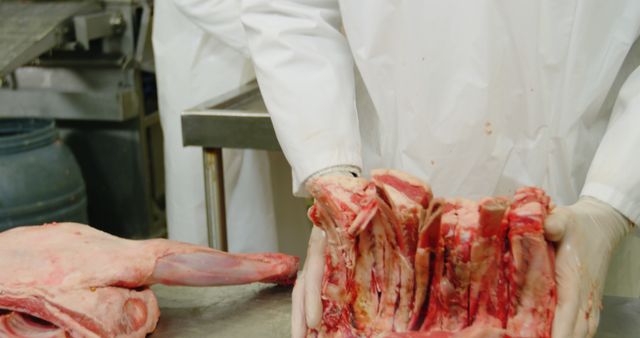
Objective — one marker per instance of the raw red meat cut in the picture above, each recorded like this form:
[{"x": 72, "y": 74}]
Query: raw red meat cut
[
  {"x": 441, "y": 288},
  {"x": 408, "y": 198},
  {"x": 343, "y": 208},
  {"x": 531, "y": 267},
  {"x": 390, "y": 268},
  {"x": 401, "y": 263},
  {"x": 428, "y": 239},
  {"x": 449, "y": 301},
  {"x": 488, "y": 289},
  {"x": 367, "y": 282},
  {"x": 380, "y": 290},
  {"x": 72, "y": 280}
]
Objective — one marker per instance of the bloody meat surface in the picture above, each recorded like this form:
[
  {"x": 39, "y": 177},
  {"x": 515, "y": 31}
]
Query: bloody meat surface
[
  {"x": 343, "y": 208},
  {"x": 488, "y": 287},
  {"x": 449, "y": 300},
  {"x": 407, "y": 198},
  {"x": 401, "y": 263},
  {"x": 532, "y": 288}
]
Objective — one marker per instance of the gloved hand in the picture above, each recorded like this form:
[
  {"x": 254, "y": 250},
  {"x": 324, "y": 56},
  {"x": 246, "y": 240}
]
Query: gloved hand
[
  {"x": 306, "y": 305},
  {"x": 586, "y": 234}
]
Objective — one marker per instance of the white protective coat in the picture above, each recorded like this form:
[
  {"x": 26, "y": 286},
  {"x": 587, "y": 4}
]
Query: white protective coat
[
  {"x": 476, "y": 97},
  {"x": 200, "y": 53}
]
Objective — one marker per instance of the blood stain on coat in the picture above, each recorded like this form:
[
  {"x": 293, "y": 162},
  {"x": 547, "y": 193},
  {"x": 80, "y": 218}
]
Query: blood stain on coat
[{"x": 488, "y": 128}]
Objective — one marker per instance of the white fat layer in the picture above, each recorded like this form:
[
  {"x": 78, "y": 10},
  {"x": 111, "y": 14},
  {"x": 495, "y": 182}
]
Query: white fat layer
[
  {"x": 398, "y": 199},
  {"x": 529, "y": 209}
]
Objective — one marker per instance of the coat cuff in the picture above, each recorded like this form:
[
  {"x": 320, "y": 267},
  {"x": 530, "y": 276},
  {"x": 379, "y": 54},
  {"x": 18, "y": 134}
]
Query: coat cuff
[
  {"x": 619, "y": 200},
  {"x": 324, "y": 164}
]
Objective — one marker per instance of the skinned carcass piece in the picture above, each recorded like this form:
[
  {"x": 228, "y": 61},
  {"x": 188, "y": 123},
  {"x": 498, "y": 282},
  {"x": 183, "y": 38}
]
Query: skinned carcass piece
[
  {"x": 429, "y": 267},
  {"x": 14, "y": 324},
  {"x": 71, "y": 280}
]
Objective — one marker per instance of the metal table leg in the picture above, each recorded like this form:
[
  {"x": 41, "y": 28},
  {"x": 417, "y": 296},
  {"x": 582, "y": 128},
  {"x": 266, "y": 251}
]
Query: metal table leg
[{"x": 214, "y": 193}]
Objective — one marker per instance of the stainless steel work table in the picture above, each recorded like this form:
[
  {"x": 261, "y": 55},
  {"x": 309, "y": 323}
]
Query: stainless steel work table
[
  {"x": 264, "y": 311},
  {"x": 255, "y": 310},
  {"x": 238, "y": 119}
]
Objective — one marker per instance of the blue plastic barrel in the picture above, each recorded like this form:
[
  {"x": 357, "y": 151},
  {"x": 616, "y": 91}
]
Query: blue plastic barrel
[{"x": 40, "y": 180}]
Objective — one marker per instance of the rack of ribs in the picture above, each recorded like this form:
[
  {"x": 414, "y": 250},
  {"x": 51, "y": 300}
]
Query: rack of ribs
[{"x": 401, "y": 263}]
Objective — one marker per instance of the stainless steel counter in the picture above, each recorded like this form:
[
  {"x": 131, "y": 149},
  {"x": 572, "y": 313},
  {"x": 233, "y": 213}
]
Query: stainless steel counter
[
  {"x": 255, "y": 310},
  {"x": 237, "y": 119},
  {"x": 620, "y": 318},
  {"x": 264, "y": 311}
]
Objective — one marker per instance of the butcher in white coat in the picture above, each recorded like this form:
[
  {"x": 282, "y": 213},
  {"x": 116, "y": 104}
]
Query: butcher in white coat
[
  {"x": 200, "y": 53},
  {"x": 475, "y": 97}
]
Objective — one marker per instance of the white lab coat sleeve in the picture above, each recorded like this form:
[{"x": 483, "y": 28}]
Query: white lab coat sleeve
[
  {"x": 220, "y": 18},
  {"x": 614, "y": 175},
  {"x": 306, "y": 76}
]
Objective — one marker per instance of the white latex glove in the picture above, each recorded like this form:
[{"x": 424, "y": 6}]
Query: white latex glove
[
  {"x": 586, "y": 234},
  {"x": 306, "y": 305}
]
